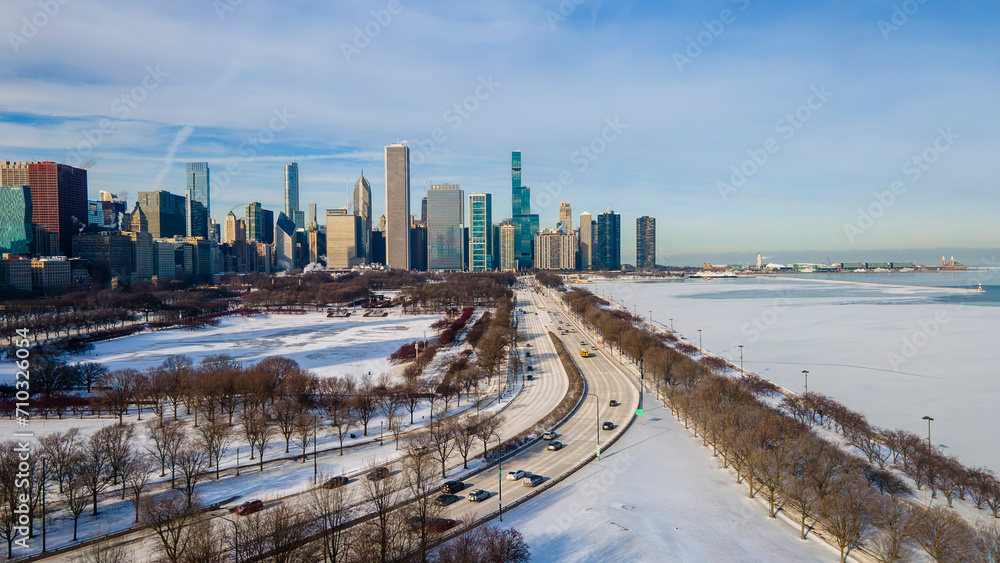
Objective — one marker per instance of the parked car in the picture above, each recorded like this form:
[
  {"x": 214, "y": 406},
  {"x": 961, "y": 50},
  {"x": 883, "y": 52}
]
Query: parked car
[
  {"x": 515, "y": 475},
  {"x": 445, "y": 500},
  {"x": 550, "y": 435},
  {"x": 528, "y": 344},
  {"x": 440, "y": 525},
  {"x": 529, "y": 377},
  {"x": 608, "y": 426},
  {"x": 478, "y": 495},
  {"x": 592, "y": 347},
  {"x": 250, "y": 507},
  {"x": 529, "y": 368},
  {"x": 532, "y": 480},
  {"x": 452, "y": 486},
  {"x": 582, "y": 343},
  {"x": 527, "y": 354},
  {"x": 335, "y": 482},
  {"x": 377, "y": 473},
  {"x": 613, "y": 403},
  {"x": 554, "y": 446}
]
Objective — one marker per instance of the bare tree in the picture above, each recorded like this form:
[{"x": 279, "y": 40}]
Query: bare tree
[
  {"x": 488, "y": 429},
  {"x": 892, "y": 519},
  {"x": 943, "y": 534},
  {"x": 215, "y": 438},
  {"x": 58, "y": 448},
  {"x": 285, "y": 414},
  {"x": 259, "y": 431},
  {"x": 170, "y": 516},
  {"x": 165, "y": 436},
  {"x": 465, "y": 438},
  {"x": 419, "y": 477},
  {"x": 381, "y": 495},
  {"x": 486, "y": 544},
  {"x": 331, "y": 510},
  {"x": 337, "y": 397},
  {"x": 801, "y": 496},
  {"x": 989, "y": 542},
  {"x": 305, "y": 430},
  {"x": 118, "y": 442},
  {"x": 174, "y": 374},
  {"x": 844, "y": 514},
  {"x": 441, "y": 434},
  {"x": 390, "y": 406},
  {"x": 192, "y": 462},
  {"x": 95, "y": 468},
  {"x": 117, "y": 390},
  {"x": 75, "y": 491},
  {"x": 365, "y": 401},
  {"x": 89, "y": 373},
  {"x": 136, "y": 477},
  {"x": 106, "y": 551}
]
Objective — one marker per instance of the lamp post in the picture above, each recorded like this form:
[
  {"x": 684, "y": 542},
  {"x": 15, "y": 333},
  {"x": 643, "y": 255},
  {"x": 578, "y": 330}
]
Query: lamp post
[
  {"x": 598, "y": 413},
  {"x": 651, "y": 318},
  {"x": 699, "y": 339},
  {"x": 805, "y": 372},
  {"x": 236, "y": 537},
  {"x": 928, "y": 419},
  {"x": 500, "y": 476},
  {"x": 741, "y": 361},
  {"x": 315, "y": 439},
  {"x": 671, "y": 325}
]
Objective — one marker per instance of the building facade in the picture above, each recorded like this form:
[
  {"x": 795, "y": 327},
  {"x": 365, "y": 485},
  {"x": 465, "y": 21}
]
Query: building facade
[
  {"x": 285, "y": 248},
  {"x": 525, "y": 223},
  {"x": 565, "y": 224},
  {"x": 645, "y": 243},
  {"x": 480, "y": 232},
  {"x": 363, "y": 210},
  {"x": 253, "y": 215},
  {"x": 15, "y": 220},
  {"x": 292, "y": 192},
  {"x": 607, "y": 251},
  {"x": 397, "y": 204},
  {"x": 342, "y": 234},
  {"x": 199, "y": 205},
  {"x": 508, "y": 249},
  {"x": 586, "y": 240},
  {"x": 58, "y": 196},
  {"x": 165, "y": 212},
  {"x": 109, "y": 255},
  {"x": 445, "y": 237},
  {"x": 555, "y": 250}
]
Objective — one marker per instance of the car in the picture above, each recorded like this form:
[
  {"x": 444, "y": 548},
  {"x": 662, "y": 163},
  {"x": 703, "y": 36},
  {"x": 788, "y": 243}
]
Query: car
[
  {"x": 550, "y": 435},
  {"x": 478, "y": 495},
  {"x": 532, "y": 480},
  {"x": 527, "y": 354},
  {"x": 592, "y": 347},
  {"x": 445, "y": 500},
  {"x": 582, "y": 343},
  {"x": 608, "y": 426},
  {"x": 554, "y": 446},
  {"x": 529, "y": 377},
  {"x": 515, "y": 475},
  {"x": 529, "y": 368},
  {"x": 528, "y": 345},
  {"x": 452, "y": 486},
  {"x": 335, "y": 482},
  {"x": 613, "y": 403},
  {"x": 250, "y": 507},
  {"x": 377, "y": 473},
  {"x": 441, "y": 525}
]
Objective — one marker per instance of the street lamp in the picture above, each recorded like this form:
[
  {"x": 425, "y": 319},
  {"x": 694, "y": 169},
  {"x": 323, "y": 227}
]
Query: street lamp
[
  {"x": 236, "y": 537},
  {"x": 671, "y": 325},
  {"x": 598, "y": 413},
  {"x": 928, "y": 419},
  {"x": 699, "y": 339},
  {"x": 805, "y": 372},
  {"x": 741, "y": 360}
]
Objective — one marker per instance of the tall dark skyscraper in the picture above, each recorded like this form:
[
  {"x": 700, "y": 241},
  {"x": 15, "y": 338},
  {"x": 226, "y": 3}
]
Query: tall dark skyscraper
[
  {"x": 15, "y": 219},
  {"x": 199, "y": 208},
  {"x": 165, "y": 212},
  {"x": 58, "y": 196},
  {"x": 525, "y": 223},
  {"x": 608, "y": 250},
  {"x": 292, "y": 193},
  {"x": 645, "y": 243},
  {"x": 363, "y": 209},
  {"x": 253, "y": 215},
  {"x": 267, "y": 225}
]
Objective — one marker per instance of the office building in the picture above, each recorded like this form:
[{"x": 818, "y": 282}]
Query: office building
[
  {"x": 645, "y": 243},
  {"x": 285, "y": 251},
  {"x": 555, "y": 250},
  {"x": 50, "y": 275},
  {"x": 292, "y": 193},
  {"x": 565, "y": 224},
  {"x": 397, "y": 204},
  {"x": 423, "y": 210},
  {"x": 143, "y": 255},
  {"x": 525, "y": 223},
  {"x": 480, "y": 232},
  {"x": 586, "y": 240},
  {"x": 378, "y": 248},
  {"x": 268, "y": 225},
  {"x": 94, "y": 215},
  {"x": 58, "y": 196},
  {"x": 165, "y": 212},
  {"x": 15, "y": 220},
  {"x": 108, "y": 255},
  {"x": 343, "y": 232},
  {"x": 254, "y": 217},
  {"x": 363, "y": 209},
  {"x": 15, "y": 274},
  {"x": 445, "y": 216},
  {"x": 199, "y": 208},
  {"x": 607, "y": 250},
  {"x": 508, "y": 251},
  {"x": 235, "y": 229},
  {"x": 418, "y": 248},
  {"x": 311, "y": 218}
]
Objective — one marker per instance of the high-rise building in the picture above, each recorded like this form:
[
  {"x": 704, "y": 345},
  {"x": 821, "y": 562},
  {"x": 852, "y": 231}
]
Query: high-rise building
[
  {"x": 555, "y": 250},
  {"x": 645, "y": 243},
  {"x": 267, "y": 226},
  {"x": 199, "y": 208},
  {"x": 50, "y": 275},
  {"x": 109, "y": 255},
  {"x": 311, "y": 222},
  {"x": 418, "y": 248},
  {"x": 285, "y": 253},
  {"x": 607, "y": 251},
  {"x": 165, "y": 212},
  {"x": 423, "y": 210},
  {"x": 343, "y": 232},
  {"x": 235, "y": 229},
  {"x": 586, "y": 240},
  {"x": 292, "y": 192},
  {"x": 508, "y": 255},
  {"x": 142, "y": 254},
  {"x": 525, "y": 223},
  {"x": 565, "y": 218},
  {"x": 397, "y": 205},
  {"x": 445, "y": 216},
  {"x": 480, "y": 232},
  {"x": 495, "y": 245},
  {"x": 363, "y": 209},
  {"x": 254, "y": 218},
  {"x": 58, "y": 196},
  {"x": 15, "y": 220}
]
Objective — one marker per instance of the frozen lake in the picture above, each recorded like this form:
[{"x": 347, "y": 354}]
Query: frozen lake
[{"x": 894, "y": 353}]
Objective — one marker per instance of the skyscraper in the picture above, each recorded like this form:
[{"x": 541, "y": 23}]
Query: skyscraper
[
  {"x": 445, "y": 237},
  {"x": 586, "y": 240},
  {"x": 199, "y": 208},
  {"x": 363, "y": 209},
  {"x": 58, "y": 196},
  {"x": 165, "y": 212},
  {"x": 645, "y": 243},
  {"x": 397, "y": 205},
  {"x": 311, "y": 222},
  {"x": 525, "y": 223},
  {"x": 565, "y": 218},
  {"x": 253, "y": 214},
  {"x": 15, "y": 219},
  {"x": 607, "y": 253},
  {"x": 292, "y": 192},
  {"x": 508, "y": 258},
  {"x": 480, "y": 232},
  {"x": 342, "y": 234},
  {"x": 555, "y": 250},
  {"x": 267, "y": 226},
  {"x": 235, "y": 229},
  {"x": 286, "y": 256}
]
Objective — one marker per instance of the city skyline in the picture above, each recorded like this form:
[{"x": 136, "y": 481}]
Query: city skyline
[{"x": 825, "y": 83}]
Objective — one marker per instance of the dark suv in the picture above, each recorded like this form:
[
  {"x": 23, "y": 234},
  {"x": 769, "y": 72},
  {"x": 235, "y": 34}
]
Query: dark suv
[
  {"x": 451, "y": 487},
  {"x": 378, "y": 473}
]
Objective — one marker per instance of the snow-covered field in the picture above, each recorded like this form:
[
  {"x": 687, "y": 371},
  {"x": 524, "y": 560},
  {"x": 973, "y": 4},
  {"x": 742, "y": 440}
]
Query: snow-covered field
[{"x": 894, "y": 353}]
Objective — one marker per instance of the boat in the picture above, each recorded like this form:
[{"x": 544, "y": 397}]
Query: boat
[{"x": 980, "y": 289}]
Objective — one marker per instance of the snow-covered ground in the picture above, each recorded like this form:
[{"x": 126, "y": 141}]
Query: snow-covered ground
[{"x": 894, "y": 353}]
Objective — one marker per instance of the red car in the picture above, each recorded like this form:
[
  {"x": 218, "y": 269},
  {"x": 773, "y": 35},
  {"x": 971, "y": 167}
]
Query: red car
[
  {"x": 249, "y": 507},
  {"x": 440, "y": 525}
]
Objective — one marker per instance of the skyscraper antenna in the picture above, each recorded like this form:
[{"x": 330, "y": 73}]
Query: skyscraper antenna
[{"x": 293, "y": 155}]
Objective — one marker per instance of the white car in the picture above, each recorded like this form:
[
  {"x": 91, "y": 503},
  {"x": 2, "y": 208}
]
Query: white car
[{"x": 515, "y": 475}]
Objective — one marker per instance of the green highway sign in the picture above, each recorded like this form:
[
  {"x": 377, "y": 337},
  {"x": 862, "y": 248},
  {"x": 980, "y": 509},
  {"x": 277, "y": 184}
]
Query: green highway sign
[{"x": 639, "y": 412}]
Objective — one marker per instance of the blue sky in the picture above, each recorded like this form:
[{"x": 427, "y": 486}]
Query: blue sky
[{"x": 821, "y": 106}]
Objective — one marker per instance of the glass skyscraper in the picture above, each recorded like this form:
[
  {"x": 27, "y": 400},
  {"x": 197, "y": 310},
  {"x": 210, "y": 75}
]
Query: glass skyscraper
[
  {"x": 199, "y": 208},
  {"x": 254, "y": 216},
  {"x": 292, "y": 193},
  {"x": 525, "y": 223},
  {"x": 607, "y": 251},
  {"x": 445, "y": 228},
  {"x": 15, "y": 219},
  {"x": 645, "y": 243},
  {"x": 480, "y": 232}
]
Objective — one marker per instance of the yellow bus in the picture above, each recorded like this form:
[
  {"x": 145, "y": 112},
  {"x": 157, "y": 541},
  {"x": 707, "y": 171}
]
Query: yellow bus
[{"x": 584, "y": 352}]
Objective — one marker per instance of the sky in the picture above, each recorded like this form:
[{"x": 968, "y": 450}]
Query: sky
[{"x": 741, "y": 126}]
